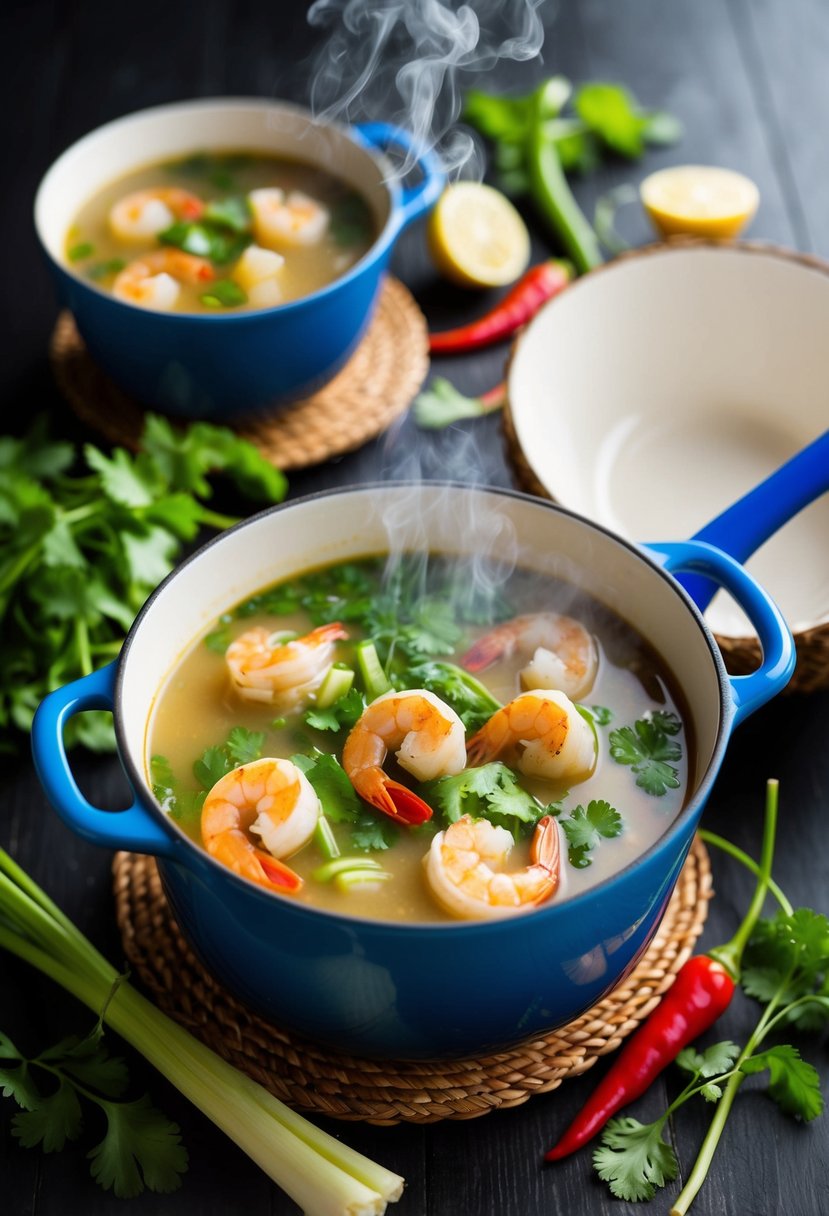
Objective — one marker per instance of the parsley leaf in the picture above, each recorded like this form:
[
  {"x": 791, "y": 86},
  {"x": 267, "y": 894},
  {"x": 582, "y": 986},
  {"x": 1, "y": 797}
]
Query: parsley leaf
[
  {"x": 634, "y": 1159},
  {"x": 647, "y": 748},
  {"x": 585, "y": 828},
  {"x": 793, "y": 1083}
]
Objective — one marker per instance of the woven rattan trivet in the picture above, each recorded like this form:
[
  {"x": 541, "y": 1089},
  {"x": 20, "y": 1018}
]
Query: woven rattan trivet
[
  {"x": 375, "y": 386},
  {"x": 313, "y": 1078}
]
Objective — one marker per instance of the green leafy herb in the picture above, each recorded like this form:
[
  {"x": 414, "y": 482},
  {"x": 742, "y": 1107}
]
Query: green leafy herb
[
  {"x": 81, "y": 251},
  {"x": 223, "y": 293},
  {"x": 206, "y": 239},
  {"x": 441, "y": 404},
  {"x": 634, "y": 1159},
  {"x": 341, "y": 715},
  {"x": 341, "y": 803},
  {"x": 793, "y": 1084},
  {"x": 102, "y": 270},
  {"x": 233, "y": 212},
  {"x": 80, "y": 552},
  {"x": 490, "y": 791},
  {"x": 471, "y": 700},
  {"x": 585, "y": 828},
  {"x": 647, "y": 747},
  {"x": 141, "y": 1147}
]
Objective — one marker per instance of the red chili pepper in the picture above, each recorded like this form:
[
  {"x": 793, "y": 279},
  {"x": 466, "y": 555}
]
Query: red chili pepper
[
  {"x": 701, "y": 991},
  {"x": 522, "y": 302},
  {"x": 699, "y": 994}
]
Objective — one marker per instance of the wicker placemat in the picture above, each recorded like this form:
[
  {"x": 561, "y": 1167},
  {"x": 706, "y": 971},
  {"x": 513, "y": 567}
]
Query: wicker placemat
[
  {"x": 376, "y": 385},
  {"x": 313, "y": 1078}
]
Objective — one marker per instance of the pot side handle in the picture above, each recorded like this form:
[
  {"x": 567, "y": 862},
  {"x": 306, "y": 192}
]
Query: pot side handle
[
  {"x": 133, "y": 828},
  {"x": 743, "y": 527},
  {"x": 415, "y": 200},
  {"x": 702, "y": 559}
]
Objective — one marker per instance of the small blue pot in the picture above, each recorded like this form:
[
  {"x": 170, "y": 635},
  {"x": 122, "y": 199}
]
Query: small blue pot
[
  {"x": 223, "y": 366},
  {"x": 404, "y": 990}
]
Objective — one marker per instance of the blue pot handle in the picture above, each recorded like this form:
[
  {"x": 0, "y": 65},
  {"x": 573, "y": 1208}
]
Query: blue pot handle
[
  {"x": 414, "y": 200},
  {"x": 743, "y": 527},
  {"x": 700, "y": 558},
  {"x": 133, "y": 828}
]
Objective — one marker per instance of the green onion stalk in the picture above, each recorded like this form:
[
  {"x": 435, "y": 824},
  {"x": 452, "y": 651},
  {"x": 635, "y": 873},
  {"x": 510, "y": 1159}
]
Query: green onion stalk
[{"x": 323, "y": 1176}]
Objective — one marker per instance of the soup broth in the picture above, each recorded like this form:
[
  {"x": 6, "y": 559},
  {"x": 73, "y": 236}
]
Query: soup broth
[
  {"x": 424, "y": 622},
  {"x": 220, "y": 232}
]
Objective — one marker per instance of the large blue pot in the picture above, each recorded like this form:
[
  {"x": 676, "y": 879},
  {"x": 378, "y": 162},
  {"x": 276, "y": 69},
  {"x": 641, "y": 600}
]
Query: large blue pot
[
  {"x": 222, "y": 366},
  {"x": 398, "y": 989}
]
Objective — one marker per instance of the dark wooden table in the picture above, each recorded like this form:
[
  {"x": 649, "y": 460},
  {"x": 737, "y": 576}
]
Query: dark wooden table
[{"x": 749, "y": 80}]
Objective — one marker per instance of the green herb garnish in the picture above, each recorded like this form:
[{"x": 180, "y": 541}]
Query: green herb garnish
[
  {"x": 584, "y": 828},
  {"x": 233, "y": 212},
  {"x": 224, "y": 293},
  {"x": 490, "y": 791},
  {"x": 81, "y": 251},
  {"x": 648, "y": 747},
  {"x": 206, "y": 240},
  {"x": 102, "y": 270}
]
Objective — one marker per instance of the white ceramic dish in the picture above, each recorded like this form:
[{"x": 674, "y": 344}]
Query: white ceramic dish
[{"x": 657, "y": 390}]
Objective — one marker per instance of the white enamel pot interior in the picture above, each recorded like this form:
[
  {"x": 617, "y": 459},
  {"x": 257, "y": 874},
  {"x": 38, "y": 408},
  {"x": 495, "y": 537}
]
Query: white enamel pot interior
[{"x": 657, "y": 390}]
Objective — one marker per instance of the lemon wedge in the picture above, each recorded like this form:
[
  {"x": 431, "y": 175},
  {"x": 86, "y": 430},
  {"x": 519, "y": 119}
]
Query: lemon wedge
[
  {"x": 699, "y": 200},
  {"x": 476, "y": 237}
]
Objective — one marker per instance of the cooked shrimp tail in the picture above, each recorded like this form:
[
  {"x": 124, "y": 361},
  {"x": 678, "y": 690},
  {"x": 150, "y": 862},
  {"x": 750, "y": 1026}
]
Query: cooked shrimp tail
[
  {"x": 564, "y": 654},
  {"x": 429, "y": 740},
  {"x": 265, "y": 667},
  {"x": 272, "y": 799},
  {"x": 541, "y": 733},
  {"x": 465, "y": 869}
]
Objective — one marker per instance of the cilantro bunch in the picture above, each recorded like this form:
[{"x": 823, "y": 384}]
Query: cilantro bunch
[
  {"x": 786, "y": 968},
  {"x": 85, "y": 537}
]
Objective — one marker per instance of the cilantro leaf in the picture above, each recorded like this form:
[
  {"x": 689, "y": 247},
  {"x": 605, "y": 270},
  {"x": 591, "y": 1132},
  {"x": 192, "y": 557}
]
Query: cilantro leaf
[
  {"x": 17, "y": 1082},
  {"x": 340, "y": 801},
  {"x": 634, "y": 1159},
  {"x": 793, "y": 1083},
  {"x": 788, "y": 955},
  {"x": 244, "y": 745},
  {"x": 141, "y": 1147},
  {"x": 472, "y": 701},
  {"x": 647, "y": 748},
  {"x": 585, "y": 828},
  {"x": 56, "y": 1119},
  {"x": 340, "y": 715},
  {"x": 488, "y": 791},
  {"x": 714, "y": 1060},
  {"x": 373, "y": 835}
]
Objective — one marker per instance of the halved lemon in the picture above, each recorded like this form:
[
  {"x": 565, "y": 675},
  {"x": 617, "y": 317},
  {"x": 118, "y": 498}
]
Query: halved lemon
[
  {"x": 476, "y": 237},
  {"x": 699, "y": 200}
]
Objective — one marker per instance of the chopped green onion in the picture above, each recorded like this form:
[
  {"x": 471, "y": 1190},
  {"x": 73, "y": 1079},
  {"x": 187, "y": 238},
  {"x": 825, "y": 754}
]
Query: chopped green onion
[
  {"x": 321, "y": 1175},
  {"x": 102, "y": 270},
  {"x": 279, "y": 723},
  {"x": 80, "y": 251},
  {"x": 371, "y": 881},
  {"x": 374, "y": 678},
  {"x": 224, "y": 293},
  {"x": 337, "y": 682},
  {"x": 340, "y": 865},
  {"x": 325, "y": 840}
]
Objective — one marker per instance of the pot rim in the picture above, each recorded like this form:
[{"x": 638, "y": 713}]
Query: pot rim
[
  {"x": 377, "y": 248},
  {"x": 675, "y": 828}
]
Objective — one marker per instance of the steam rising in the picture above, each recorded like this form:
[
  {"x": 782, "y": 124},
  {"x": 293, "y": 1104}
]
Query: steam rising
[{"x": 400, "y": 61}]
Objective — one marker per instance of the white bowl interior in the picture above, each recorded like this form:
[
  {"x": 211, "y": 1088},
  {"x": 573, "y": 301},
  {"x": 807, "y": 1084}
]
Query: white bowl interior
[
  {"x": 653, "y": 394},
  {"x": 225, "y": 124},
  {"x": 283, "y": 543}
]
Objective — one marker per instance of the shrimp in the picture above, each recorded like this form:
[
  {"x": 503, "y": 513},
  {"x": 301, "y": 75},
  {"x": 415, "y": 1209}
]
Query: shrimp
[
  {"x": 281, "y": 673},
  {"x": 147, "y": 212},
  {"x": 286, "y": 221},
  {"x": 565, "y": 655},
  {"x": 540, "y": 732},
  {"x": 464, "y": 869},
  {"x": 429, "y": 737},
  {"x": 154, "y": 280},
  {"x": 272, "y": 799}
]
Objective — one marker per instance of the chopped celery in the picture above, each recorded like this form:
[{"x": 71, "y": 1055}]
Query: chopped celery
[
  {"x": 367, "y": 880},
  {"x": 340, "y": 865},
  {"x": 371, "y": 669},
  {"x": 325, "y": 840},
  {"x": 337, "y": 682}
]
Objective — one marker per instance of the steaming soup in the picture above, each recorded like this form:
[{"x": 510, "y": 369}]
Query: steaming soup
[
  {"x": 603, "y": 789},
  {"x": 220, "y": 232}
]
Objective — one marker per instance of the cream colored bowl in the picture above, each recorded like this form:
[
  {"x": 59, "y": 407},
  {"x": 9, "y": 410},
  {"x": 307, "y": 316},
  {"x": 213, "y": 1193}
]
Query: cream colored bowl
[{"x": 657, "y": 390}]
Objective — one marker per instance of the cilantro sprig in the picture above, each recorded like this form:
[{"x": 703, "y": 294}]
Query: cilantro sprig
[
  {"x": 785, "y": 967},
  {"x": 85, "y": 537},
  {"x": 585, "y": 827},
  {"x": 489, "y": 791},
  {"x": 140, "y": 1148},
  {"x": 651, "y": 750}
]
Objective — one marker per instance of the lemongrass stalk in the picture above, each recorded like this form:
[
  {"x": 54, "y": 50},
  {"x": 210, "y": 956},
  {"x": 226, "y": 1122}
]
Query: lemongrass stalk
[{"x": 325, "y": 1177}]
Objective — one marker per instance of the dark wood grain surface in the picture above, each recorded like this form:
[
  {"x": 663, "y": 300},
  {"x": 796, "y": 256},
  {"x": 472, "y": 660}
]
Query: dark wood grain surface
[{"x": 749, "y": 80}]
